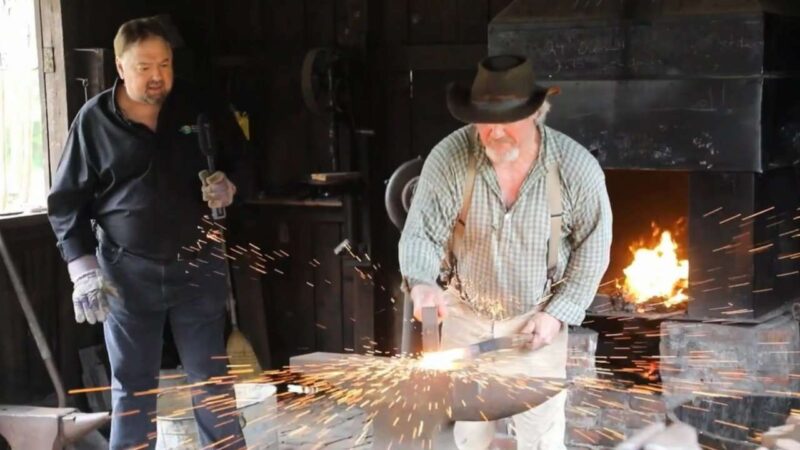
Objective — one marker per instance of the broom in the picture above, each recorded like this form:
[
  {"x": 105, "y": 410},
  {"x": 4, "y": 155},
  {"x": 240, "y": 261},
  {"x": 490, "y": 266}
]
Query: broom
[{"x": 240, "y": 352}]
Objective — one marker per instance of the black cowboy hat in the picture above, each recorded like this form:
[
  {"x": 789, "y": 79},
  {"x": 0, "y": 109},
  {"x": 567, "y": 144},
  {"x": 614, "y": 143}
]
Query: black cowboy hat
[{"x": 504, "y": 90}]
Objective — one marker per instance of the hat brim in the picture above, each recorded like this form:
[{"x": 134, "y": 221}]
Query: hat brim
[{"x": 461, "y": 106}]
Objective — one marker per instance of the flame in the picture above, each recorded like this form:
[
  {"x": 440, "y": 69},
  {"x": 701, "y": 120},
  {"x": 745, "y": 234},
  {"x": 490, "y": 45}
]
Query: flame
[
  {"x": 444, "y": 360},
  {"x": 657, "y": 273}
]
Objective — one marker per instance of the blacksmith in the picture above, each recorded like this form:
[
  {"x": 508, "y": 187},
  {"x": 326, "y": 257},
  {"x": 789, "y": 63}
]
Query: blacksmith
[{"x": 518, "y": 215}]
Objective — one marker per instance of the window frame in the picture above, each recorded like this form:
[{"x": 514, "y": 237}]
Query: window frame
[
  {"x": 49, "y": 28},
  {"x": 53, "y": 96}
]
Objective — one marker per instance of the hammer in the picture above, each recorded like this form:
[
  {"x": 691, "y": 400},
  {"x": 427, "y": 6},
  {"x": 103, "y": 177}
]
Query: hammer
[{"x": 205, "y": 138}]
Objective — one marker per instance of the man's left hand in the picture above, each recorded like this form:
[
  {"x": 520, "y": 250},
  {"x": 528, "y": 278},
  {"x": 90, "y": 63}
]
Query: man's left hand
[
  {"x": 218, "y": 190},
  {"x": 544, "y": 328}
]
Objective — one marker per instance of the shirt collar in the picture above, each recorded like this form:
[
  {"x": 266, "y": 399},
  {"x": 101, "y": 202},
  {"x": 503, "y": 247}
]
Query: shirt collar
[
  {"x": 112, "y": 99},
  {"x": 114, "y": 106}
]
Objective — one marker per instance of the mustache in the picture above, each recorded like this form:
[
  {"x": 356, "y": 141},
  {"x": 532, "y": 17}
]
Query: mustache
[{"x": 501, "y": 141}]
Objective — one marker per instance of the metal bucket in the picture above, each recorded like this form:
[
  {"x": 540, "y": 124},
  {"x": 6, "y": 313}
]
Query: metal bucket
[{"x": 256, "y": 403}]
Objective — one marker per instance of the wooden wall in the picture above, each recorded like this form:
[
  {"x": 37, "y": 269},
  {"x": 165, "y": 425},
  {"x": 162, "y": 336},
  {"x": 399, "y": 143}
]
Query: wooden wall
[
  {"x": 420, "y": 47},
  {"x": 252, "y": 50},
  {"x": 23, "y": 378},
  {"x": 407, "y": 51}
]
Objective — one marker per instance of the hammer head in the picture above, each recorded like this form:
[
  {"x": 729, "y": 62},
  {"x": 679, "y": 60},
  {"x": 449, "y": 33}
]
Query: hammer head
[{"x": 205, "y": 136}]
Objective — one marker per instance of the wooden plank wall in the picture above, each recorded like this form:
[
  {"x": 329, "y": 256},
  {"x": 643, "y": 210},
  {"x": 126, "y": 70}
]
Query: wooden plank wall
[
  {"x": 24, "y": 378},
  {"x": 422, "y": 45},
  {"x": 305, "y": 293}
]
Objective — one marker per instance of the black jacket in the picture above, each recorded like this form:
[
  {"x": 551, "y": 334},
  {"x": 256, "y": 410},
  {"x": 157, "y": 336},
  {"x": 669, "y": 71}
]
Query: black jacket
[{"x": 141, "y": 187}]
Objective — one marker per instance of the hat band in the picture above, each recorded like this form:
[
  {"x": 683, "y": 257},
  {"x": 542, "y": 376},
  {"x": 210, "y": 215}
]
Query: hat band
[{"x": 500, "y": 103}]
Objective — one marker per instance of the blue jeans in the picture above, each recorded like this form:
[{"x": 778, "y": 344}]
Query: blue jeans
[{"x": 191, "y": 295}]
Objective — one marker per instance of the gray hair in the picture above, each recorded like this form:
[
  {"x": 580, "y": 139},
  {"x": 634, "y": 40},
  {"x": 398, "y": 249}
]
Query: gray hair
[{"x": 541, "y": 114}]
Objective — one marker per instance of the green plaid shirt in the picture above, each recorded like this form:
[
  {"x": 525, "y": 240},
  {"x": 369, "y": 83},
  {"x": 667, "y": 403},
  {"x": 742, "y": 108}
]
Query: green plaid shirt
[{"x": 503, "y": 269}]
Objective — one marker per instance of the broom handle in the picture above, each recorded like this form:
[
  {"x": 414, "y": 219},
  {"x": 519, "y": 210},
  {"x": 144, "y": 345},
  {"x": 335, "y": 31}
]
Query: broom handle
[{"x": 231, "y": 300}]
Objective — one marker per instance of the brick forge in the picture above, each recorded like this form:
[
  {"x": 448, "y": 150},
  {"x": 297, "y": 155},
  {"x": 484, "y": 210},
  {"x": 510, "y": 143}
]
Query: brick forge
[
  {"x": 602, "y": 412},
  {"x": 730, "y": 382}
]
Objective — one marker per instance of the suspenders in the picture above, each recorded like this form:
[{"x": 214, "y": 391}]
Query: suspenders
[
  {"x": 553, "y": 193},
  {"x": 457, "y": 238}
]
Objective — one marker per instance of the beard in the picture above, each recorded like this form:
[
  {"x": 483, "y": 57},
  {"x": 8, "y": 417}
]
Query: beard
[
  {"x": 153, "y": 99},
  {"x": 509, "y": 154},
  {"x": 500, "y": 157},
  {"x": 157, "y": 97}
]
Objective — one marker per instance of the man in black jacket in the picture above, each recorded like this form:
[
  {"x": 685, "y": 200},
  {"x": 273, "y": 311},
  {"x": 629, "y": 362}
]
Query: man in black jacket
[{"x": 128, "y": 210}]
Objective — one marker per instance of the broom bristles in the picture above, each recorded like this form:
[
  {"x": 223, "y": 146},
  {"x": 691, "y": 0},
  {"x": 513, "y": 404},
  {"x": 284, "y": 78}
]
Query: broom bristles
[{"x": 241, "y": 354}]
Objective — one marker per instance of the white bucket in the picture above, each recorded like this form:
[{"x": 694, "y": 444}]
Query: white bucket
[{"x": 255, "y": 402}]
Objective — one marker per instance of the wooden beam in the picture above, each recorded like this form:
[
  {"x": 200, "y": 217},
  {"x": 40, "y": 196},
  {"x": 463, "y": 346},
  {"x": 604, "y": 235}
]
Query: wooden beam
[{"x": 54, "y": 85}]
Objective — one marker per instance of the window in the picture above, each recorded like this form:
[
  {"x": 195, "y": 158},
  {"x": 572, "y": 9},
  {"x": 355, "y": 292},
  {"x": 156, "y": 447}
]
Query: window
[{"x": 23, "y": 174}]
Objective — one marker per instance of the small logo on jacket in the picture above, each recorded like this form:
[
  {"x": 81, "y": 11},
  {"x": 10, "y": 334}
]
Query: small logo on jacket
[{"x": 188, "y": 129}]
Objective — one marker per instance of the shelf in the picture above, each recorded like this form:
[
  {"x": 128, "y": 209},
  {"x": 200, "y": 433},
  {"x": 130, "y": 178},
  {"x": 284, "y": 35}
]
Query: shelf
[{"x": 333, "y": 202}]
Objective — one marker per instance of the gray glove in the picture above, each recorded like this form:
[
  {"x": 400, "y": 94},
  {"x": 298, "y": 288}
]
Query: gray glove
[
  {"x": 90, "y": 296},
  {"x": 218, "y": 190}
]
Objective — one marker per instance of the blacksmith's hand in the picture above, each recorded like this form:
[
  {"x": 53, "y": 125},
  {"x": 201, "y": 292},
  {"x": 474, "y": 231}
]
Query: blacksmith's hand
[
  {"x": 426, "y": 295},
  {"x": 544, "y": 328},
  {"x": 217, "y": 189},
  {"x": 91, "y": 290}
]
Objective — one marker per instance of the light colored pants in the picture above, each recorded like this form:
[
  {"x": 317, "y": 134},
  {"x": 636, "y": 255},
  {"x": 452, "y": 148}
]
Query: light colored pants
[{"x": 541, "y": 428}]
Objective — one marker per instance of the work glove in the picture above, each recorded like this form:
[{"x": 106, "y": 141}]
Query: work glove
[
  {"x": 217, "y": 189},
  {"x": 91, "y": 290}
]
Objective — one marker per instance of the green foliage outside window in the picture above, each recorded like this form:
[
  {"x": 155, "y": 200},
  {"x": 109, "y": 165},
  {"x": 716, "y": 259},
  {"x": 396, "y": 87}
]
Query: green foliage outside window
[{"x": 22, "y": 163}]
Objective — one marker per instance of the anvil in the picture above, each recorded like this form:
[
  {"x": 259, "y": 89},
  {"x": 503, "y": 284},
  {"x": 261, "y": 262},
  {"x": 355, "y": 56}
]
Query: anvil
[{"x": 414, "y": 408}]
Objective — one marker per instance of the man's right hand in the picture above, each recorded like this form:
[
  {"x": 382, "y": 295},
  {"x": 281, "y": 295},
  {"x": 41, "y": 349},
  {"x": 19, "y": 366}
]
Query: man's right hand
[
  {"x": 91, "y": 290},
  {"x": 426, "y": 295}
]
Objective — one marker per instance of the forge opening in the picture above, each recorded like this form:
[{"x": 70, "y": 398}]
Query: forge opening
[{"x": 649, "y": 252}]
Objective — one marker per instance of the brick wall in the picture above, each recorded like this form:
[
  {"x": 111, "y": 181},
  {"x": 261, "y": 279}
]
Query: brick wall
[{"x": 601, "y": 414}]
